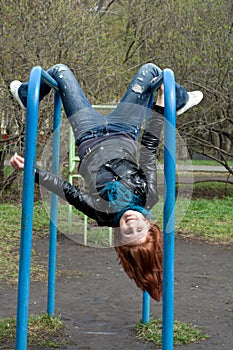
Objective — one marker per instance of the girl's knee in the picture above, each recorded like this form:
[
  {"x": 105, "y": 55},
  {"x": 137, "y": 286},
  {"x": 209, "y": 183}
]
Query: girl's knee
[
  {"x": 59, "y": 71},
  {"x": 151, "y": 68},
  {"x": 60, "y": 67}
]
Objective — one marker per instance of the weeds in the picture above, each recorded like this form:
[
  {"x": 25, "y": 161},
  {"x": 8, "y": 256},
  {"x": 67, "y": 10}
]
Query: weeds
[
  {"x": 183, "y": 333},
  {"x": 44, "y": 331}
]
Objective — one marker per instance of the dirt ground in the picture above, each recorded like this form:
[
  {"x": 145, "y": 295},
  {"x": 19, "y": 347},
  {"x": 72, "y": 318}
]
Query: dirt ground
[{"x": 100, "y": 305}]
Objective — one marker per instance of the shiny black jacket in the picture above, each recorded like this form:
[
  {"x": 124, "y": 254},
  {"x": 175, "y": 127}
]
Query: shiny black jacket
[{"x": 112, "y": 160}]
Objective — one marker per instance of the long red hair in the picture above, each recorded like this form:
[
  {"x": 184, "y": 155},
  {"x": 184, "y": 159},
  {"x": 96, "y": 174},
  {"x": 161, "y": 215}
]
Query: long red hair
[{"x": 143, "y": 262}]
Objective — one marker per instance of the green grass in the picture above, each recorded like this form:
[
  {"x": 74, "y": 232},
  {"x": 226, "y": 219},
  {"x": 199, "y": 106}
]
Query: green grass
[
  {"x": 44, "y": 331},
  {"x": 216, "y": 189},
  {"x": 200, "y": 162},
  {"x": 10, "y": 216},
  {"x": 209, "y": 219},
  {"x": 99, "y": 236},
  {"x": 183, "y": 333}
]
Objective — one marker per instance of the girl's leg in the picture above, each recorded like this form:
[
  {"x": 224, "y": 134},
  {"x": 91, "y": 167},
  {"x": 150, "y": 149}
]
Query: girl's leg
[
  {"x": 81, "y": 115},
  {"x": 129, "y": 114},
  {"x": 72, "y": 96},
  {"x": 131, "y": 111},
  {"x": 140, "y": 90}
]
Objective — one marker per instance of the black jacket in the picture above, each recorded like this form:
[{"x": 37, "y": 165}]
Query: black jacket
[{"x": 112, "y": 160}]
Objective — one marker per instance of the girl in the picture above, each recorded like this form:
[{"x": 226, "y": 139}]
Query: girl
[{"x": 121, "y": 187}]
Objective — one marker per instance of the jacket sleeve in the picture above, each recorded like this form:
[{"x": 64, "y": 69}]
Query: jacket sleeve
[
  {"x": 73, "y": 195},
  {"x": 148, "y": 152}
]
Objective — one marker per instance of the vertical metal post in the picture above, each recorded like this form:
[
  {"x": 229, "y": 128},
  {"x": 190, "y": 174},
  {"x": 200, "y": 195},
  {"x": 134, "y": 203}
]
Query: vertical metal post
[
  {"x": 54, "y": 208},
  {"x": 145, "y": 296},
  {"x": 28, "y": 199},
  {"x": 169, "y": 210},
  {"x": 145, "y": 307},
  {"x": 27, "y": 209}
]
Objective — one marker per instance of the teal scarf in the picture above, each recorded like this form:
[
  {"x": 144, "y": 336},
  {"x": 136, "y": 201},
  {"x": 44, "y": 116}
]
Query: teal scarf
[{"x": 121, "y": 199}]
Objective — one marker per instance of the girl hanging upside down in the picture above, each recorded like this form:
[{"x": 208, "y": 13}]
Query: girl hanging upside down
[{"x": 118, "y": 169}]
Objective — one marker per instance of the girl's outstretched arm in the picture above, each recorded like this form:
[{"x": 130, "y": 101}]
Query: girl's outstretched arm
[{"x": 72, "y": 194}]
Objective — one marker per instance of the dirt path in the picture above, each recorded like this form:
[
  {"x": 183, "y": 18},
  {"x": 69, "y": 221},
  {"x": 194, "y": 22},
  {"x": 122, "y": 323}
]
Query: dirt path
[{"x": 100, "y": 306}]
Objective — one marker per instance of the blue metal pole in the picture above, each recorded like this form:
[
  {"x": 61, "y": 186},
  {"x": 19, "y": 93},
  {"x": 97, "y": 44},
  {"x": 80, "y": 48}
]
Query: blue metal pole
[
  {"x": 28, "y": 199},
  {"x": 145, "y": 295},
  {"x": 169, "y": 209},
  {"x": 54, "y": 208},
  {"x": 27, "y": 209},
  {"x": 145, "y": 307}
]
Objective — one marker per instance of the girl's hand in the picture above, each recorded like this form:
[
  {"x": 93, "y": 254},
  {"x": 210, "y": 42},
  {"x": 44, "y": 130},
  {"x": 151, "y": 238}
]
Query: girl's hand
[
  {"x": 160, "y": 97},
  {"x": 17, "y": 162}
]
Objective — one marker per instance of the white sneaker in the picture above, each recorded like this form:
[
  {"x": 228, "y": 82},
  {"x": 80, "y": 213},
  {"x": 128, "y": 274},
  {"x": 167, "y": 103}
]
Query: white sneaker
[
  {"x": 195, "y": 97},
  {"x": 14, "y": 87}
]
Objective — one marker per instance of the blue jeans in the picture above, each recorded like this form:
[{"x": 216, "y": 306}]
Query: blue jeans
[{"x": 88, "y": 123}]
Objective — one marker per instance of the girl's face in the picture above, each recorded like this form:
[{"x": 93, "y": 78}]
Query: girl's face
[{"x": 133, "y": 228}]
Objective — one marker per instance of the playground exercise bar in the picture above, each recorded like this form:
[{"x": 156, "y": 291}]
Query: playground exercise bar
[
  {"x": 37, "y": 73},
  {"x": 145, "y": 307},
  {"x": 169, "y": 209},
  {"x": 28, "y": 202},
  {"x": 167, "y": 77}
]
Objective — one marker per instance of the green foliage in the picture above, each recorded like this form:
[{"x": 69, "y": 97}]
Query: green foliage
[
  {"x": 183, "y": 333},
  {"x": 102, "y": 48}
]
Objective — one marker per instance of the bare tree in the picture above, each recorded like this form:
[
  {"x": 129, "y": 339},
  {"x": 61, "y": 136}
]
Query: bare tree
[{"x": 104, "y": 48}]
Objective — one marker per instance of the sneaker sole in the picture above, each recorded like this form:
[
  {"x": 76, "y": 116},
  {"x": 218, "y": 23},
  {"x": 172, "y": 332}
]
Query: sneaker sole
[
  {"x": 195, "y": 97},
  {"x": 14, "y": 87}
]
